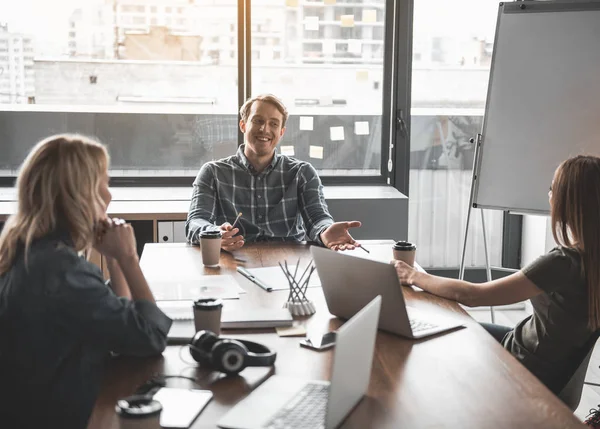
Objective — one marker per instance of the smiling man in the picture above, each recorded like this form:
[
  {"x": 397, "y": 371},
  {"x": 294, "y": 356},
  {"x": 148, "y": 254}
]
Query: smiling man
[{"x": 280, "y": 198}]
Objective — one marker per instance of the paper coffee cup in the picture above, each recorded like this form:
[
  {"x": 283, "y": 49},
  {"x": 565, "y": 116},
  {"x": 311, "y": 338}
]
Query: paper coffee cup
[
  {"x": 138, "y": 412},
  {"x": 405, "y": 251},
  {"x": 207, "y": 315},
  {"x": 210, "y": 245}
]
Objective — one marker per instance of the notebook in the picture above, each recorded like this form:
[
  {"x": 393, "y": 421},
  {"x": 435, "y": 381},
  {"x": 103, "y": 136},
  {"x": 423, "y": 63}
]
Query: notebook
[{"x": 232, "y": 319}]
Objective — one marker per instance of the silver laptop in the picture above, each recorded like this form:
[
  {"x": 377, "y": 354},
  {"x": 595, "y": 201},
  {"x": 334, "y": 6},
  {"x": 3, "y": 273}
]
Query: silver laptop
[
  {"x": 349, "y": 282},
  {"x": 294, "y": 403}
]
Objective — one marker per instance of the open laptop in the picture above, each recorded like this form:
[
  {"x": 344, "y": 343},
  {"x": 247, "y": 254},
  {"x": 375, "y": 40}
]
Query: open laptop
[
  {"x": 293, "y": 403},
  {"x": 349, "y": 282}
]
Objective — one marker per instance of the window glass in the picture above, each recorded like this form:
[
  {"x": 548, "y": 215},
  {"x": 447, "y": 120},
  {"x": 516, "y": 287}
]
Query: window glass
[{"x": 452, "y": 51}]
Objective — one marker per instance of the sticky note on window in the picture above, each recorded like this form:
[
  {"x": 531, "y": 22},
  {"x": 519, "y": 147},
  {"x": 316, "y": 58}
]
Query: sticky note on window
[
  {"x": 336, "y": 133},
  {"x": 291, "y": 3},
  {"x": 288, "y": 150},
  {"x": 311, "y": 23},
  {"x": 328, "y": 47},
  {"x": 326, "y": 101},
  {"x": 347, "y": 20},
  {"x": 306, "y": 123},
  {"x": 316, "y": 152},
  {"x": 329, "y": 2},
  {"x": 362, "y": 75},
  {"x": 361, "y": 128},
  {"x": 355, "y": 46},
  {"x": 369, "y": 15}
]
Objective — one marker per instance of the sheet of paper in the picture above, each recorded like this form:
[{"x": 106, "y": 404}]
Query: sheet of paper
[
  {"x": 291, "y": 3},
  {"x": 347, "y": 20},
  {"x": 287, "y": 150},
  {"x": 329, "y": 1},
  {"x": 362, "y": 75},
  {"x": 221, "y": 286},
  {"x": 361, "y": 128},
  {"x": 369, "y": 15},
  {"x": 311, "y": 23},
  {"x": 274, "y": 277},
  {"x": 336, "y": 133},
  {"x": 306, "y": 123},
  {"x": 316, "y": 152},
  {"x": 355, "y": 46}
]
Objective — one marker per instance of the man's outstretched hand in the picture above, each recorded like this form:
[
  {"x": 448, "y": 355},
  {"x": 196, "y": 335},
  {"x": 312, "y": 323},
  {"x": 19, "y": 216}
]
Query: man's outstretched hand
[{"x": 337, "y": 237}]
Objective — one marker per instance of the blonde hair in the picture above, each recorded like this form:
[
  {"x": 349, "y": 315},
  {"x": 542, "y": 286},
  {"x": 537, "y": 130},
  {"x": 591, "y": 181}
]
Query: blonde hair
[
  {"x": 266, "y": 98},
  {"x": 575, "y": 215},
  {"x": 58, "y": 186}
]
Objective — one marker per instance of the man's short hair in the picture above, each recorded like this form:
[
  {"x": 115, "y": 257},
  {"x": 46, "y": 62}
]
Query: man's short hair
[{"x": 266, "y": 98}]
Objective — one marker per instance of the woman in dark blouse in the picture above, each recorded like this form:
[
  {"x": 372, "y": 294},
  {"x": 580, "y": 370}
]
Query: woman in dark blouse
[
  {"x": 59, "y": 321},
  {"x": 563, "y": 285}
]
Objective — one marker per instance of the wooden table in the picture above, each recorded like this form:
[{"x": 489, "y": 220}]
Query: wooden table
[{"x": 461, "y": 379}]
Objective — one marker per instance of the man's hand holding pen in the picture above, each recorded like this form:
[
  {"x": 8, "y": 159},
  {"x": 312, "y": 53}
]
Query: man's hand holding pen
[{"x": 229, "y": 240}]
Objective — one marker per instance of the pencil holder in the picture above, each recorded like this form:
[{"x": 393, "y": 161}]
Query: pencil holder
[{"x": 297, "y": 303}]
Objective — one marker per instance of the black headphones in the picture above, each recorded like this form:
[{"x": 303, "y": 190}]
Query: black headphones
[{"x": 229, "y": 355}]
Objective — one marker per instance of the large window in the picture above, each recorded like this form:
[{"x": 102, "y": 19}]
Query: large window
[
  {"x": 158, "y": 80},
  {"x": 452, "y": 48},
  {"x": 326, "y": 63}
]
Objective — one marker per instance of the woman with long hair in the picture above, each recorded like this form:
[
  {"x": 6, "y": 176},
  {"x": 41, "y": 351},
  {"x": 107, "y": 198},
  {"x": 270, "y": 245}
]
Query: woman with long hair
[
  {"x": 563, "y": 285},
  {"x": 59, "y": 321}
]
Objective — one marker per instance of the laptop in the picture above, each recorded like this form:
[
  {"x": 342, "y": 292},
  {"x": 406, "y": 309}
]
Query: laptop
[
  {"x": 349, "y": 282},
  {"x": 285, "y": 402}
]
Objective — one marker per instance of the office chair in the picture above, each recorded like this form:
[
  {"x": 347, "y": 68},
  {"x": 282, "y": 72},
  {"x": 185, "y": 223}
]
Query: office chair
[{"x": 571, "y": 392}]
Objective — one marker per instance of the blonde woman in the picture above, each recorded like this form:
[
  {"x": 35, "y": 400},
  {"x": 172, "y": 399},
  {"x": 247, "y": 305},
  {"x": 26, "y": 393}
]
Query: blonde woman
[
  {"x": 58, "y": 319},
  {"x": 563, "y": 285}
]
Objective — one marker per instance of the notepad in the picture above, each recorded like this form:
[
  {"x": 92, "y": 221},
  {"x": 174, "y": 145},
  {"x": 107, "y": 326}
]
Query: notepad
[
  {"x": 248, "y": 318},
  {"x": 181, "y": 406}
]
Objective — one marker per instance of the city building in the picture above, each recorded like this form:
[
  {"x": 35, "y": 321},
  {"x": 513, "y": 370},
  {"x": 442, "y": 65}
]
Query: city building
[{"x": 17, "y": 82}]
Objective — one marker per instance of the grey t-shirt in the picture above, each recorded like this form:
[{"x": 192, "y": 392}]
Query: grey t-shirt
[{"x": 548, "y": 341}]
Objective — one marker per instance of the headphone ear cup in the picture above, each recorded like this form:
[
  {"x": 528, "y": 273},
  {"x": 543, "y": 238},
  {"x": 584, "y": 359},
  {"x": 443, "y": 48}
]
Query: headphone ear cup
[
  {"x": 229, "y": 356},
  {"x": 201, "y": 346}
]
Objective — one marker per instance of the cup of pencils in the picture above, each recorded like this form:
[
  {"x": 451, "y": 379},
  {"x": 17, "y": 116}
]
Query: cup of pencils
[{"x": 297, "y": 303}]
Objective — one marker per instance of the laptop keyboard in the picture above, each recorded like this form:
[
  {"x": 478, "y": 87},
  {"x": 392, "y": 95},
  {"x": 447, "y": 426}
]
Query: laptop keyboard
[
  {"x": 305, "y": 410},
  {"x": 417, "y": 325}
]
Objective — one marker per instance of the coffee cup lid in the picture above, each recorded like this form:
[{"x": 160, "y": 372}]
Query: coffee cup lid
[
  {"x": 404, "y": 245},
  {"x": 137, "y": 407},
  {"x": 210, "y": 234},
  {"x": 208, "y": 304}
]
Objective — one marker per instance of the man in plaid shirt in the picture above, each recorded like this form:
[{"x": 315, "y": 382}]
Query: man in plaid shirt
[{"x": 280, "y": 198}]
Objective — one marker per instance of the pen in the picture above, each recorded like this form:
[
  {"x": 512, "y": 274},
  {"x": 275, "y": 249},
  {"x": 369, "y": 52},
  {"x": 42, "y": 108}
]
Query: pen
[
  {"x": 253, "y": 279},
  {"x": 364, "y": 249}
]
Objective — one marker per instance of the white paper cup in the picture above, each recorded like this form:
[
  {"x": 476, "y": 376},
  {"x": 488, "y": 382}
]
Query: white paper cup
[{"x": 210, "y": 245}]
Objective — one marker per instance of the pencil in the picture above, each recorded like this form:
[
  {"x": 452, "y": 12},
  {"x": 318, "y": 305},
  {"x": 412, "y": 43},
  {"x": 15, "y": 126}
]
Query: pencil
[
  {"x": 236, "y": 219},
  {"x": 364, "y": 249}
]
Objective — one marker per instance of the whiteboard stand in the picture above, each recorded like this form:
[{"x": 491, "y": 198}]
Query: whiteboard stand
[{"x": 488, "y": 270}]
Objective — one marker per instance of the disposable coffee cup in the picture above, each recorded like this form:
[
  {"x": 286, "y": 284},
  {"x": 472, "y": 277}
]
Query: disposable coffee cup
[
  {"x": 207, "y": 315},
  {"x": 210, "y": 245},
  {"x": 138, "y": 412},
  {"x": 405, "y": 251}
]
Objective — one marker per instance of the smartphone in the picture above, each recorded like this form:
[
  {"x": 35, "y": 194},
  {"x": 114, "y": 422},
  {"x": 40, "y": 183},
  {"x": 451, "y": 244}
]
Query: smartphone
[{"x": 325, "y": 342}]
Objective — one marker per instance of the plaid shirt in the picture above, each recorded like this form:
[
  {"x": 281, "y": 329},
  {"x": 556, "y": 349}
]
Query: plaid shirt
[{"x": 276, "y": 204}]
